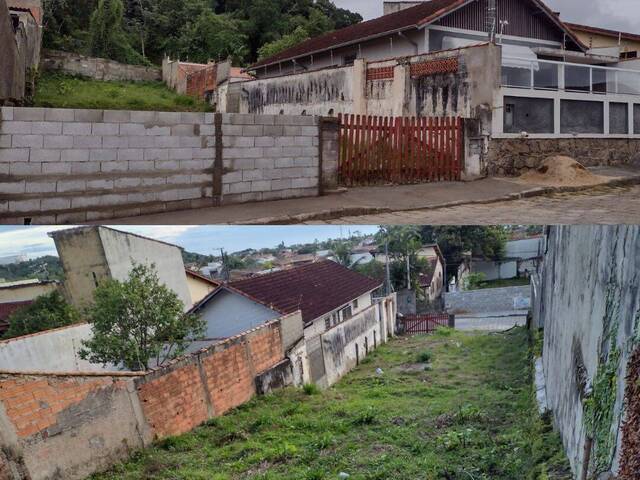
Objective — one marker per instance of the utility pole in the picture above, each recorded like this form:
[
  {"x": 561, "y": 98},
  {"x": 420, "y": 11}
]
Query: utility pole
[{"x": 408, "y": 271}]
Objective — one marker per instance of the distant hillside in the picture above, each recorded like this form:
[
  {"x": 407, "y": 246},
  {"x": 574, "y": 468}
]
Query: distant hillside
[{"x": 44, "y": 268}]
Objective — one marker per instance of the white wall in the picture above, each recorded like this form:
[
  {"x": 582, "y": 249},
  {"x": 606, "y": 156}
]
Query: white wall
[
  {"x": 122, "y": 250},
  {"x": 502, "y": 270},
  {"x": 53, "y": 351}
]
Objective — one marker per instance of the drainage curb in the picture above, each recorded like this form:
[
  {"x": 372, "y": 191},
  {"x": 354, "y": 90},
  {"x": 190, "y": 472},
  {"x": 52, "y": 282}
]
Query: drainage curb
[{"x": 338, "y": 213}]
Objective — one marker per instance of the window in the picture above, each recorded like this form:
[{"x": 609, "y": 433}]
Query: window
[
  {"x": 636, "y": 119},
  {"x": 531, "y": 115},
  {"x": 577, "y": 116},
  {"x": 346, "y": 313},
  {"x": 355, "y": 304},
  {"x": 628, "y": 55},
  {"x": 618, "y": 118},
  {"x": 349, "y": 59},
  {"x": 327, "y": 323}
]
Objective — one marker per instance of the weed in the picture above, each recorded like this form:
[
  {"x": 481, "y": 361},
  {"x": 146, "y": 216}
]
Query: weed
[
  {"x": 311, "y": 389},
  {"x": 424, "y": 357}
]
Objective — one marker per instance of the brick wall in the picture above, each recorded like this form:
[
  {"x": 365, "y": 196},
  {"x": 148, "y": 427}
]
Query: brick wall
[
  {"x": 72, "y": 166},
  {"x": 174, "y": 402},
  {"x": 69, "y": 426}
]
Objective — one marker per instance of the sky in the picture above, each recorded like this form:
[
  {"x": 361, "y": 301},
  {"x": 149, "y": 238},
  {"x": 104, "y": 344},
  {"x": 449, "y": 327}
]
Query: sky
[
  {"x": 34, "y": 241},
  {"x": 614, "y": 14}
]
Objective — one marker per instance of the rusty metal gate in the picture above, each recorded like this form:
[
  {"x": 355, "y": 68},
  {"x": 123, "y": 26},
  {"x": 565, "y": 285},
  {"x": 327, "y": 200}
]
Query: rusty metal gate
[
  {"x": 429, "y": 323},
  {"x": 400, "y": 150}
]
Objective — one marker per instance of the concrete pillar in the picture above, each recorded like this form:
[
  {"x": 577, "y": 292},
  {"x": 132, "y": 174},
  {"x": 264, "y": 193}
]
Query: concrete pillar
[
  {"x": 329, "y": 154},
  {"x": 360, "y": 87},
  {"x": 400, "y": 90}
]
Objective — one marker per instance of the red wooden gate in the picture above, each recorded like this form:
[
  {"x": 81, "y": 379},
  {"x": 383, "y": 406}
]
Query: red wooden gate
[
  {"x": 399, "y": 150},
  {"x": 413, "y": 324}
]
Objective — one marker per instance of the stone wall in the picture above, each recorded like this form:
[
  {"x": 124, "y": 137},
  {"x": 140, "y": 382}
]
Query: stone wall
[
  {"x": 588, "y": 302},
  {"x": 489, "y": 300},
  {"x": 71, "y": 425},
  {"x": 97, "y": 68},
  {"x": 514, "y": 156},
  {"x": 73, "y": 166}
]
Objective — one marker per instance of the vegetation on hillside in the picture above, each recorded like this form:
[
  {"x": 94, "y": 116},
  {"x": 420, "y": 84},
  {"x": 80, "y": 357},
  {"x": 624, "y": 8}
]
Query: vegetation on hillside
[
  {"x": 45, "y": 313},
  {"x": 464, "y": 411},
  {"x": 43, "y": 268},
  {"x": 143, "y": 31},
  {"x": 65, "y": 91}
]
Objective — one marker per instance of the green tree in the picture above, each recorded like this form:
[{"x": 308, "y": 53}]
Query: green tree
[
  {"x": 213, "y": 37},
  {"x": 107, "y": 36},
  {"x": 138, "y": 320},
  {"x": 270, "y": 49},
  {"x": 484, "y": 242},
  {"x": 45, "y": 313}
]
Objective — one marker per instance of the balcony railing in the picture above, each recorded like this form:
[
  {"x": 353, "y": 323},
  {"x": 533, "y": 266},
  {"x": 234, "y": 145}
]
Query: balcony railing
[{"x": 520, "y": 72}]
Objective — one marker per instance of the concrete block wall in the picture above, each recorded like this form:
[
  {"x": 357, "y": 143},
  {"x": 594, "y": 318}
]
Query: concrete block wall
[
  {"x": 489, "y": 300},
  {"x": 269, "y": 157},
  {"x": 97, "y": 68},
  {"x": 58, "y": 425},
  {"x": 72, "y": 166}
]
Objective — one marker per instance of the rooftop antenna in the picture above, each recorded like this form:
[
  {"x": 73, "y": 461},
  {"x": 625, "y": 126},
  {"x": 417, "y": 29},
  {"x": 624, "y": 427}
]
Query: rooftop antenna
[{"x": 491, "y": 20}]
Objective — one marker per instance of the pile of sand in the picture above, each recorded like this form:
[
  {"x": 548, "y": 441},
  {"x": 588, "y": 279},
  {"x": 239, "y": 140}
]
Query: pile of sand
[{"x": 561, "y": 171}]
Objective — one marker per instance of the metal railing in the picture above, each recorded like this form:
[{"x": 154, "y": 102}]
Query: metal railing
[{"x": 520, "y": 72}]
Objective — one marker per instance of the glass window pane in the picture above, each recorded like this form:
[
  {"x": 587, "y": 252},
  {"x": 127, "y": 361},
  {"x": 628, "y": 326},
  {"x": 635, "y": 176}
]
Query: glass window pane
[
  {"x": 628, "y": 83},
  {"x": 636, "y": 119},
  {"x": 599, "y": 80},
  {"x": 516, "y": 77},
  {"x": 577, "y": 79},
  {"x": 546, "y": 77}
]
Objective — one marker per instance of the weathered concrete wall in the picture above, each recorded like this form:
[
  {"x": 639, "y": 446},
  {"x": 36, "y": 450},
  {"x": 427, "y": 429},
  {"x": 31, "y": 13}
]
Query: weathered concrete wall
[
  {"x": 489, "y": 300},
  {"x": 26, "y": 292},
  {"x": 460, "y": 82},
  {"x": 315, "y": 93},
  {"x": 348, "y": 343},
  {"x": 20, "y": 54},
  {"x": 69, "y": 426},
  {"x": 53, "y": 351},
  {"x": 589, "y": 305},
  {"x": 514, "y": 156},
  {"x": 97, "y": 68},
  {"x": 74, "y": 166}
]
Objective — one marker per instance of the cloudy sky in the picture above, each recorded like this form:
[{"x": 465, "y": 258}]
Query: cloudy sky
[
  {"x": 615, "y": 14},
  {"x": 34, "y": 241}
]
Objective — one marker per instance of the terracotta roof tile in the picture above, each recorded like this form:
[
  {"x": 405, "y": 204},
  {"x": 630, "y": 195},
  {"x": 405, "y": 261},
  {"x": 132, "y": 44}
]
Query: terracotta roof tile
[
  {"x": 402, "y": 20},
  {"x": 315, "y": 289}
]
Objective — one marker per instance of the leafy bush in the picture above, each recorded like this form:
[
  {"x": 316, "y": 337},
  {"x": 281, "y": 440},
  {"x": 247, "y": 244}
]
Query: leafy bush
[
  {"x": 424, "y": 357},
  {"x": 45, "y": 313}
]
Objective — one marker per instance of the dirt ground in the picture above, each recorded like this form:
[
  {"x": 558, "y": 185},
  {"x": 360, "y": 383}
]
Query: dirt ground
[{"x": 561, "y": 171}]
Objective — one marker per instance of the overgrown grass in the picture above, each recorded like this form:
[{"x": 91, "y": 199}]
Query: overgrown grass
[
  {"x": 65, "y": 91},
  {"x": 472, "y": 416},
  {"x": 513, "y": 282}
]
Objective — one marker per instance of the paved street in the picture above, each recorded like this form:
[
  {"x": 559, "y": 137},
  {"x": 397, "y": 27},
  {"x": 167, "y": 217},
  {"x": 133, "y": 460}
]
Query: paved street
[{"x": 620, "y": 205}]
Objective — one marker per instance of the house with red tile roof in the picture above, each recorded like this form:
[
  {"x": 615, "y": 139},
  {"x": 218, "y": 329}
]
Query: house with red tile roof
[{"x": 326, "y": 293}]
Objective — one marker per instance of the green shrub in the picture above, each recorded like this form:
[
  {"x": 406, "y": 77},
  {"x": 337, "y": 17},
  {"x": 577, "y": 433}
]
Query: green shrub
[{"x": 424, "y": 357}]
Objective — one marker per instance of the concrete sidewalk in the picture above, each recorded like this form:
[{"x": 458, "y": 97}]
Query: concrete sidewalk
[{"x": 372, "y": 200}]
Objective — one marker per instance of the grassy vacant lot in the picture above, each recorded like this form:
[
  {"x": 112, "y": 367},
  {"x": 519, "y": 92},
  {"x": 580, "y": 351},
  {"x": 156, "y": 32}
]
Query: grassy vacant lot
[
  {"x": 64, "y": 91},
  {"x": 469, "y": 415}
]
